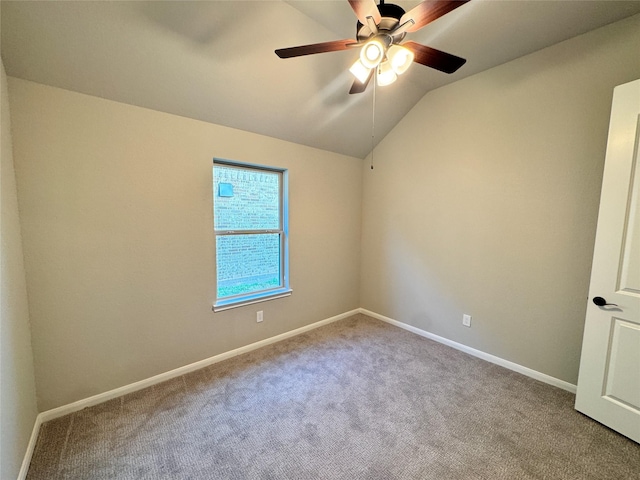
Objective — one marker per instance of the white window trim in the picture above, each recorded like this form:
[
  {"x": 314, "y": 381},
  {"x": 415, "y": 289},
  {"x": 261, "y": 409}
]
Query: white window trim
[
  {"x": 222, "y": 305},
  {"x": 285, "y": 290}
]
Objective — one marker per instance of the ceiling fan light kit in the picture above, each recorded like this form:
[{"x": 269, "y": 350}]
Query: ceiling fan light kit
[
  {"x": 359, "y": 71},
  {"x": 386, "y": 75},
  {"x": 372, "y": 53},
  {"x": 380, "y": 30},
  {"x": 400, "y": 58}
]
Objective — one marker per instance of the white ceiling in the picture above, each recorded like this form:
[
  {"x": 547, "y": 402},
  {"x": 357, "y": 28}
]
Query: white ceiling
[{"x": 214, "y": 60}]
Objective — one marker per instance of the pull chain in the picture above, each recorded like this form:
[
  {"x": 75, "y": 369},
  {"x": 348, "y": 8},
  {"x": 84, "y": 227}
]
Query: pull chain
[{"x": 373, "y": 120}]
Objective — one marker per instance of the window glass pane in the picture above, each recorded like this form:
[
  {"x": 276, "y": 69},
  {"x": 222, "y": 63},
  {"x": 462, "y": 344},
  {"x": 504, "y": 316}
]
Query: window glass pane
[
  {"x": 247, "y": 263},
  {"x": 245, "y": 199}
]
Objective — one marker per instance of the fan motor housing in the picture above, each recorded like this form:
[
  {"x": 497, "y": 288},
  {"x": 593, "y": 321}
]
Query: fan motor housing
[{"x": 391, "y": 15}]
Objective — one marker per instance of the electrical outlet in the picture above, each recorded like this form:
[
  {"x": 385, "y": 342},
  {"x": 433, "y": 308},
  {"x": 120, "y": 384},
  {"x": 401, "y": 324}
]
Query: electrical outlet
[
  {"x": 466, "y": 320},
  {"x": 259, "y": 316}
]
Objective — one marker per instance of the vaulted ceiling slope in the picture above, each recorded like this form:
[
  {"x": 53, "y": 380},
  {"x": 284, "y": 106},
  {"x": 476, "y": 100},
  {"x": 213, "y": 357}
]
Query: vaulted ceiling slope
[{"x": 215, "y": 61}]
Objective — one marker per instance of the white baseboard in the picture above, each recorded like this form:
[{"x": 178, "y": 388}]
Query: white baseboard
[
  {"x": 117, "y": 392},
  {"x": 556, "y": 382},
  {"x": 26, "y": 461},
  {"x": 162, "y": 377},
  {"x": 133, "y": 387}
]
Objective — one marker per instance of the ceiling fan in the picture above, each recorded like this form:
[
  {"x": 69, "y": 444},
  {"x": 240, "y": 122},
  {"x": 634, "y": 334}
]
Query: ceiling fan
[{"x": 379, "y": 31}]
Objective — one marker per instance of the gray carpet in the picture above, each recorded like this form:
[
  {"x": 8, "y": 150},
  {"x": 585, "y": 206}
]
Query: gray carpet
[{"x": 356, "y": 399}]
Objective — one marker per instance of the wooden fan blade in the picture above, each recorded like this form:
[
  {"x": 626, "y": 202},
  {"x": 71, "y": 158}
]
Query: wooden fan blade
[
  {"x": 358, "y": 86},
  {"x": 364, "y": 9},
  {"x": 428, "y": 11},
  {"x": 445, "y": 62},
  {"x": 334, "y": 46}
]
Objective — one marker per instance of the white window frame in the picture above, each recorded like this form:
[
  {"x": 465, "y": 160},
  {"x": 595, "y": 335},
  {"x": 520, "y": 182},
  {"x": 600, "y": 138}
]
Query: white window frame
[{"x": 283, "y": 290}]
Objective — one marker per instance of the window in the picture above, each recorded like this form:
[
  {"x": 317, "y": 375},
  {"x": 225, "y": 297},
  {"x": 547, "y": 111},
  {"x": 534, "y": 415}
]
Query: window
[{"x": 250, "y": 224}]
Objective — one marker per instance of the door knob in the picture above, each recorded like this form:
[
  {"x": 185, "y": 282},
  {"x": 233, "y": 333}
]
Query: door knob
[{"x": 601, "y": 302}]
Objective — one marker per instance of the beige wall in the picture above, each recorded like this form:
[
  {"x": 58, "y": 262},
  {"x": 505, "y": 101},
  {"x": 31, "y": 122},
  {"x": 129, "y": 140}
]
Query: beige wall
[
  {"x": 116, "y": 212},
  {"x": 484, "y": 201},
  {"x": 17, "y": 387}
]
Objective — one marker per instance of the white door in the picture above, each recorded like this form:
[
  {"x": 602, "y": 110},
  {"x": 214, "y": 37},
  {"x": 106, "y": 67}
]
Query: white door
[{"x": 609, "y": 380}]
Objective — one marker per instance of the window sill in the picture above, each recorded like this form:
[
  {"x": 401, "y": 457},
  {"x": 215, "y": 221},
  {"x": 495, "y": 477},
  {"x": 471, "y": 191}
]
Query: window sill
[{"x": 228, "y": 304}]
